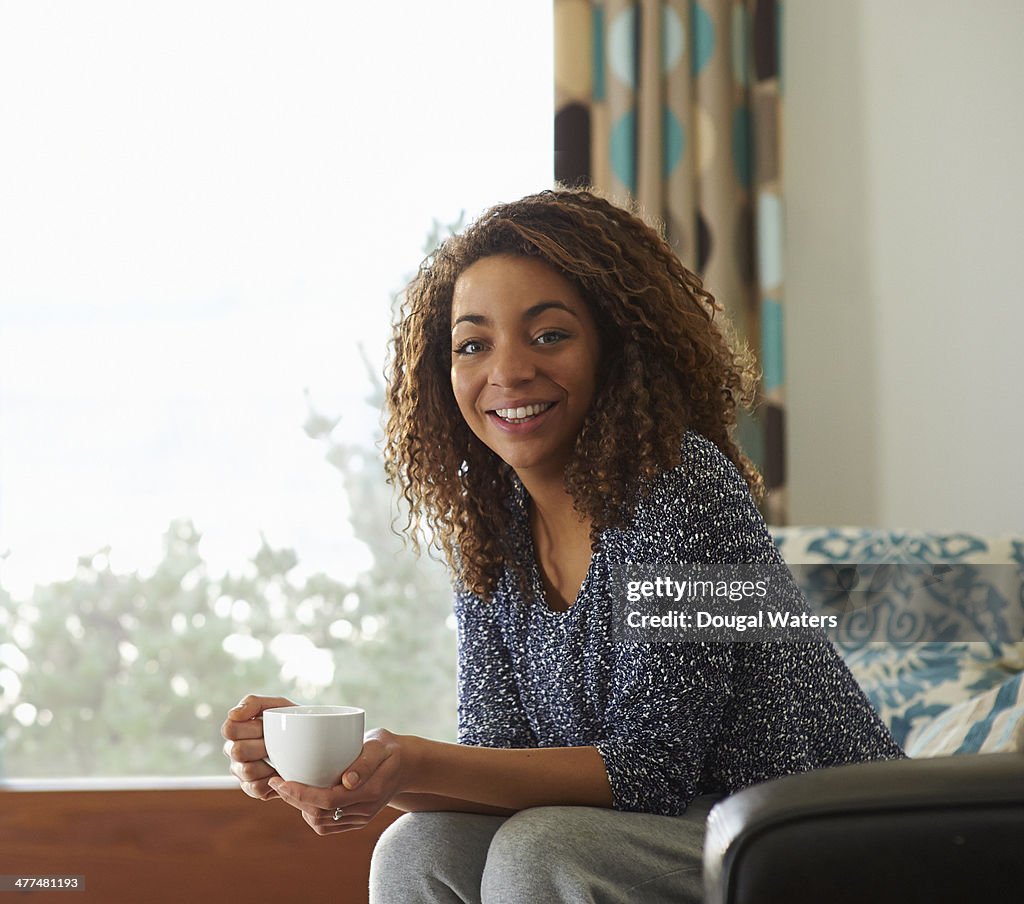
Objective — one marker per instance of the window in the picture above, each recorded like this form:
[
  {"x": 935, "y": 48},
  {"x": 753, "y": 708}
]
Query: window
[{"x": 205, "y": 210}]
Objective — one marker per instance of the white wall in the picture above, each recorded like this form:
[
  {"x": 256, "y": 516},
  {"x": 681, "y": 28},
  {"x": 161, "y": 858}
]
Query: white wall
[{"x": 904, "y": 180}]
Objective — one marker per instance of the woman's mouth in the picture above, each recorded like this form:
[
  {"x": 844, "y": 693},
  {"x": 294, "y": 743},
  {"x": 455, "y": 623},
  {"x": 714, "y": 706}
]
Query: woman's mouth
[{"x": 523, "y": 414}]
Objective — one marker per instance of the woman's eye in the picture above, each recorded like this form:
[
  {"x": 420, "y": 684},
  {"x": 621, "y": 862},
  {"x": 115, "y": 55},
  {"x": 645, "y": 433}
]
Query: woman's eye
[
  {"x": 550, "y": 337},
  {"x": 469, "y": 347}
]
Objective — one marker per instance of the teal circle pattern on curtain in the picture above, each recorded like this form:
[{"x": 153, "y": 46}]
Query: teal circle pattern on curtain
[
  {"x": 772, "y": 351},
  {"x": 703, "y": 38},
  {"x": 622, "y": 149},
  {"x": 673, "y": 140}
]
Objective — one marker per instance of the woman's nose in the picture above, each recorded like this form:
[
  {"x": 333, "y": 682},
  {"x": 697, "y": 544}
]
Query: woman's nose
[{"x": 511, "y": 366}]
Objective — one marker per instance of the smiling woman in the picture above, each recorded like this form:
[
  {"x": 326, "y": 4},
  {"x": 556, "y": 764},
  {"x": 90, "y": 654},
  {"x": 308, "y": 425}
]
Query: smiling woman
[
  {"x": 525, "y": 352},
  {"x": 561, "y": 402},
  {"x": 644, "y": 356}
]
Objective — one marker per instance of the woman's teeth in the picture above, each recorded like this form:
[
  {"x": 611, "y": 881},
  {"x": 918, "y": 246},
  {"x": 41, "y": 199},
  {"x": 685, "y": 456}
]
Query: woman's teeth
[{"x": 519, "y": 415}]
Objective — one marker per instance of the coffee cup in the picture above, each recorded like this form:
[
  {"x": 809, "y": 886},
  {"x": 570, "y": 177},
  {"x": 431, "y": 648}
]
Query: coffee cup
[{"x": 313, "y": 744}]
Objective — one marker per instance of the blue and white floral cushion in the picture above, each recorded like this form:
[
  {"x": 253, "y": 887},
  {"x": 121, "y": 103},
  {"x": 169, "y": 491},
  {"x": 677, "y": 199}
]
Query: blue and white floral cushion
[
  {"x": 937, "y": 697},
  {"x": 989, "y": 723}
]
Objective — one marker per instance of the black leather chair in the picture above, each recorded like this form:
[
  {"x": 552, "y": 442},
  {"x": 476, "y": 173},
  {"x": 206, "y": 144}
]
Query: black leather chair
[{"x": 949, "y": 829}]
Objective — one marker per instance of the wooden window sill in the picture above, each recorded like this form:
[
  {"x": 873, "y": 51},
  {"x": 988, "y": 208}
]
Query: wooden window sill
[{"x": 167, "y": 840}]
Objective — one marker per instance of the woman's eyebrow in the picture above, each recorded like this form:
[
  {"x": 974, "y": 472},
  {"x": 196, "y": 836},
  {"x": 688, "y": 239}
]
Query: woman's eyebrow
[{"x": 531, "y": 312}]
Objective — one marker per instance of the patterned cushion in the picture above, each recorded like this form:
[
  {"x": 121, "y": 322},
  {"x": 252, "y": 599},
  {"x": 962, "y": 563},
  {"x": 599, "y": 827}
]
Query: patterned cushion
[
  {"x": 914, "y": 683},
  {"x": 992, "y": 722}
]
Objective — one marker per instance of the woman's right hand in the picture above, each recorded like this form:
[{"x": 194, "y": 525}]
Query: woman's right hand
[{"x": 243, "y": 731}]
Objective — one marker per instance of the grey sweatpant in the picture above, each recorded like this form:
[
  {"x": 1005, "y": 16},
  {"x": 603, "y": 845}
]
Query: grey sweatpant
[{"x": 545, "y": 855}]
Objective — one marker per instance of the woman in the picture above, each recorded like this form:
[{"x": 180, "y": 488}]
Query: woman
[{"x": 561, "y": 404}]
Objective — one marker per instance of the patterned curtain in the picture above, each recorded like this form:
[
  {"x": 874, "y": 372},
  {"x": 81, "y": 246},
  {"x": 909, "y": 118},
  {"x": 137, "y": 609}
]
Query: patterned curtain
[{"x": 677, "y": 104}]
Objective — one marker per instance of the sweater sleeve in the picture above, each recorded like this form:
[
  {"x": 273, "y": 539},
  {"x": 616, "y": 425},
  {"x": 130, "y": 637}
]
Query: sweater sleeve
[
  {"x": 667, "y": 698},
  {"x": 665, "y": 711},
  {"x": 725, "y": 713},
  {"x": 490, "y": 709}
]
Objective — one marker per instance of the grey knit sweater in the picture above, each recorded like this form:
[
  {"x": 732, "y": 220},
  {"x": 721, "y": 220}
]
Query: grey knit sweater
[{"x": 670, "y": 720}]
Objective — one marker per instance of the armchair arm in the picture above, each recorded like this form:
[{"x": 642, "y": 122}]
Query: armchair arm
[{"x": 943, "y": 829}]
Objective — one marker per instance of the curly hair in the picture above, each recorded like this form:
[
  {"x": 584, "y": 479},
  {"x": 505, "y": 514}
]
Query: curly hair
[{"x": 667, "y": 366}]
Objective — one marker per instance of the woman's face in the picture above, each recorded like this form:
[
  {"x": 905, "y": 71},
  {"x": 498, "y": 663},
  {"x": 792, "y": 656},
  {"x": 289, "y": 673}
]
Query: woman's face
[{"x": 525, "y": 354}]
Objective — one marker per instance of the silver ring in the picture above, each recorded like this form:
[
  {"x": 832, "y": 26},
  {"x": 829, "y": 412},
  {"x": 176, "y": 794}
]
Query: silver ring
[{"x": 338, "y": 813}]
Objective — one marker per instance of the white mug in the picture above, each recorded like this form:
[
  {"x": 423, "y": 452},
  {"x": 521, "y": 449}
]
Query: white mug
[{"x": 313, "y": 744}]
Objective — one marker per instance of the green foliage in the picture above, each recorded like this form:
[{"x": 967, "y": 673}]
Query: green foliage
[{"x": 131, "y": 674}]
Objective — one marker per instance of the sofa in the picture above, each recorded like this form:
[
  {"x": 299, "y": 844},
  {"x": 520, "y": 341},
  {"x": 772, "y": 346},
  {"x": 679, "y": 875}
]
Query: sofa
[{"x": 936, "y": 643}]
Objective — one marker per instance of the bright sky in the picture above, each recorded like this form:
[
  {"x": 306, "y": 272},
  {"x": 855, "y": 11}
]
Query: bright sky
[{"x": 203, "y": 206}]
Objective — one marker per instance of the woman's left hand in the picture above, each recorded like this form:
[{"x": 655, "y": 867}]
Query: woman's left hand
[{"x": 369, "y": 783}]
